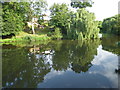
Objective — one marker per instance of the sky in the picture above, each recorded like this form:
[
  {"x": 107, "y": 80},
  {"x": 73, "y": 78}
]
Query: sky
[{"x": 101, "y": 8}]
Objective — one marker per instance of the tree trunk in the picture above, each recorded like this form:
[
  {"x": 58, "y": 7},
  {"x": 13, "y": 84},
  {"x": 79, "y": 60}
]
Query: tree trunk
[{"x": 33, "y": 28}]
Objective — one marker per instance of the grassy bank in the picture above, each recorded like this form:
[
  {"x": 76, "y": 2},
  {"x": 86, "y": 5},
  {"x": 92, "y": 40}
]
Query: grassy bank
[{"x": 25, "y": 37}]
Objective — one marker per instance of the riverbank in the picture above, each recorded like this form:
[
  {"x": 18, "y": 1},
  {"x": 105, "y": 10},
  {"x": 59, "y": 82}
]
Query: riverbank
[{"x": 25, "y": 37}]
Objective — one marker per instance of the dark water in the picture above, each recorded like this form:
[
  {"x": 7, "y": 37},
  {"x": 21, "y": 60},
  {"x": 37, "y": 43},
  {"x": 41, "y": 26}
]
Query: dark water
[{"x": 61, "y": 64}]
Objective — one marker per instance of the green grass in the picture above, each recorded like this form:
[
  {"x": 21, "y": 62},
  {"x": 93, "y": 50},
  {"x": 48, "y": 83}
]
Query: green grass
[{"x": 25, "y": 37}]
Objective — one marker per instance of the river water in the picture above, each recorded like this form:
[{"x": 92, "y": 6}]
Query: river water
[{"x": 61, "y": 64}]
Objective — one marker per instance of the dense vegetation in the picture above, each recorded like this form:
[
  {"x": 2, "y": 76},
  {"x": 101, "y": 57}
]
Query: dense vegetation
[
  {"x": 15, "y": 15},
  {"x": 111, "y": 25},
  {"x": 60, "y": 16},
  {"x": 64, "y": 22},
  {"x": 74, "y": 25},
  {"x": 83, "y": 25},
  {"x": 26, "y": 58}
]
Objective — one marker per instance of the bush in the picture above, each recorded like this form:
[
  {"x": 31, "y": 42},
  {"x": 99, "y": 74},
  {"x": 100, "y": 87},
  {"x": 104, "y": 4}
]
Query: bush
[{"x": 57, "y": 34}]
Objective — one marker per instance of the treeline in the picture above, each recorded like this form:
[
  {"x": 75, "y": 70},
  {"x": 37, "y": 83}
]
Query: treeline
[
  {"x": 66, "y": 23},
  {"x": 111, "y": 25}
]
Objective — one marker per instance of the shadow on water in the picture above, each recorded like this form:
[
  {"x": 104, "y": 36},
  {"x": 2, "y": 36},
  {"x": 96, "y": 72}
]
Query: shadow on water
[{"x": 28, "y": 66}]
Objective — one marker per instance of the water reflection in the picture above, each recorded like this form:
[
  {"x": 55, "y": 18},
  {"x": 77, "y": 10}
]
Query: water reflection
[
  {"x": 57, "y": 64},
  {"x": 111, "y": 44}
]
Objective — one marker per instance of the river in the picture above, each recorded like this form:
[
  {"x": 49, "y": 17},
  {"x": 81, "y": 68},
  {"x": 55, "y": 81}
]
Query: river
[{"x": 61, "y": 64}]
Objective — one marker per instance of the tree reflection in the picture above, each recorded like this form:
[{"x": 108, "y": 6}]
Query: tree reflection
[
  {"x": 72, "y": 53},
  {"x": 27, "y": 66},
  {"x": 21, "y": 68},
  {"x": 111, "y": 44}
]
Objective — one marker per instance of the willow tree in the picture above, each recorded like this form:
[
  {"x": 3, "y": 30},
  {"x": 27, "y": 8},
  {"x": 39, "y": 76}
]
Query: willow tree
[{"x": 84, "y": 25}]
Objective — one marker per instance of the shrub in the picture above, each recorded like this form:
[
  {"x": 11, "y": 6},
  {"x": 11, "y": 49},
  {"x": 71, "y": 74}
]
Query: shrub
[{"x": 57, "y": 34}]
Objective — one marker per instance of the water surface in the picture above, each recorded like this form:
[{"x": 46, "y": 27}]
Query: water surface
[{"x": 61, "y": 64}]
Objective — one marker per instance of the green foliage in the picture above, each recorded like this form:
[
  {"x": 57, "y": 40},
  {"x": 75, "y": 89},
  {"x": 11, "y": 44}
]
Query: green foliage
[
  {"x": 38, "y": 6},
  {"x": 111, "y": 25},
  {"x": 1, "y": 19},
  {"x": 81, "y": 3},
  {"x": 100, "y": 24},
  {"x": 83, "y": 24},
  {"x": 72, "y": 24},
  {"x": 26, "y": 38},
  {"x": 57, "y": 34},
  {"x": 17, "y": 14},
  {"x": 60, "y": 16},
  {"x": 14, "y": 16},
  {"x": 35, "y": 38}
]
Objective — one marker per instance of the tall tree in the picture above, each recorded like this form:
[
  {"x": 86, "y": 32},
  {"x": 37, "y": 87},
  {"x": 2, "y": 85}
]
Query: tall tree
[
  {"x": 83, "y": 25},
  {"x": 60, "y": 16},
  {"x": 14, "y": 16}
]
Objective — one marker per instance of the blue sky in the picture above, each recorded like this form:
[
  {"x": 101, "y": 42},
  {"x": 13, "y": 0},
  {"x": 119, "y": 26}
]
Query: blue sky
[{"x": 101, "y": 8}]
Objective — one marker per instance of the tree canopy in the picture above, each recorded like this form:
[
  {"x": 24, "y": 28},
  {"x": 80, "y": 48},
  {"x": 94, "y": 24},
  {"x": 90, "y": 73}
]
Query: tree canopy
[
  {"x": 73, "y": 25},
  {"x": 83, "y": 25},
  {"x": 59, "y": 16},
  {"x": 111, "y": 25},
  {"x": 81, "y": 3},
  {"x": 14, "y": 15}
]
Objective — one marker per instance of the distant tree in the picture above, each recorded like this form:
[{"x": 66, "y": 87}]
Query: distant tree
[
  {"x": 111, "y": 25},
  {"x": 81, "y": 3}
]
